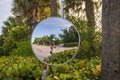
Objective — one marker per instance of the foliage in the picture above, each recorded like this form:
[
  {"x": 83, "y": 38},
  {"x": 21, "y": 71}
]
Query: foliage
[
  {"x": 23, "y": 49},
  {"x": 47, "y": 40},
  {"x": 8, "y": 24},
  {"x": 19, "y": 33},
  {"x": 19, "y": 68},
  {"x": 69, "y": 35},
  {"x": 52, "y": 37},
  {"x": 9, "y": 45},
  {"x": 1, "y": 40},
  {"x": 57, "y": 41},
  {"x": 42, "y": 41},
  {"x": 71, "y": 44},
  {"x": 90, "y": 37},
  {"x": 60, "y": 57},
  {"x": 88, "y": 8},
  {"x": 78, "y": 69},
  {"x": 14, "y": 35},
  {"x": 33, "y": 10},
  {"x": 29, "y": 68},
  {"x": 1, "y": 44}
]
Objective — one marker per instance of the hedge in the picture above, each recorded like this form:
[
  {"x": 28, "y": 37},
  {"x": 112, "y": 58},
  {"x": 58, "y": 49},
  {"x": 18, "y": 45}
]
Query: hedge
[{"x": 71, "y": 44}]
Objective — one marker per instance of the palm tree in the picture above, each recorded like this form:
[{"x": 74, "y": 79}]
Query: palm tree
[
  {"x": 111, "y": 40},
  {"x": 10, "y": 23},
  {"x": 33, "y": 10}
]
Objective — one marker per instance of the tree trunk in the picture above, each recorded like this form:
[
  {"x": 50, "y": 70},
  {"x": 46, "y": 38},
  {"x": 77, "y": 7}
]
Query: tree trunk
[
  {"x": 89, "y": 8},
  {"x": 53, "y": 7},
  {"x": 111, "y": 40}
]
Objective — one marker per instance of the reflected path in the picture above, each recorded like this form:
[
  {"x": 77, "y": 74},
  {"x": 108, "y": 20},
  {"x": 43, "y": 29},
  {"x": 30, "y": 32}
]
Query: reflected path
[{"x": 44, "y": 51}]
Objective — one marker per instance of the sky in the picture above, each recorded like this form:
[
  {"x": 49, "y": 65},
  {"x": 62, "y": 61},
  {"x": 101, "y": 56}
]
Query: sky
[
  {"x": 5, "y": 11},
  {"x": 50, "y": 26}
]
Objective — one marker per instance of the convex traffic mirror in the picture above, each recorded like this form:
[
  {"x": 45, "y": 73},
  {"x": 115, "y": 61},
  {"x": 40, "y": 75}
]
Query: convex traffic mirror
[{"x": 55, "y": 41}]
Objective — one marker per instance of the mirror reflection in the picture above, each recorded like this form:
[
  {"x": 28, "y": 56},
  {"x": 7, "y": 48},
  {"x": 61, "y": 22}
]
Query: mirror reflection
[{"x": 55, "y": 41}]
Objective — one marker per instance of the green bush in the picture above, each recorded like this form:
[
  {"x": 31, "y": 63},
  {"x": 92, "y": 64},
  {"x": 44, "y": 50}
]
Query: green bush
[
  {"x": 1, "y": 40},
  {"x": 77, "y": 69},
  {"x": 19, "y": 68},
  {"x": 90, "y": 39},
  {"x": 8, "y": 46},
  {"x": 29, "y": 68},
  {"x": 24, "y": 49},
  {"x": 13, "y": 39},
  {"x": 60, "y": 57},
  {"x": 19, "y": 33},
  {"x": 71, "y": 44},
  {"x": 1, "y": 44}
]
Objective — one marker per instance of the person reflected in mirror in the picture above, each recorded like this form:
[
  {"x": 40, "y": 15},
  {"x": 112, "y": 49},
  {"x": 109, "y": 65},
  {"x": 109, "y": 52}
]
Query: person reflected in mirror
[{"x": 52, "y": 46}]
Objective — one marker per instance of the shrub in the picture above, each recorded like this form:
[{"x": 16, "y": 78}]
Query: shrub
[
  {"x": 29, "y": 68},
  {"x": 8, "y": 46},
  {"x": 19, "y": 33},
  {"x": 77, "y": 69},
  {"x": 71, "y": 44},
  {"x": 1, "y": 40},
  {"x": 19, "y": 68},
  {"x": 24, "y": 49},
  {"x": 90, "y": 37},
  {"x": 60, "y": 57}
]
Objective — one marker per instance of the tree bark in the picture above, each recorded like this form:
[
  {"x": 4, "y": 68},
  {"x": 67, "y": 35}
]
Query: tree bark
[
  {"x": 111, "y": 40},
  {"x": 89, "y": 8},
  {"x": 53, "y": 7}
]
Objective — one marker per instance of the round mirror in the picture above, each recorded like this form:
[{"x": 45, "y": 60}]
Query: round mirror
[{"x": 55, "y": 41}]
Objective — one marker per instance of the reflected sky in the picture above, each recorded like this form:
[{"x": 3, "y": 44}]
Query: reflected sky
[{"x": 50, "y": 26}]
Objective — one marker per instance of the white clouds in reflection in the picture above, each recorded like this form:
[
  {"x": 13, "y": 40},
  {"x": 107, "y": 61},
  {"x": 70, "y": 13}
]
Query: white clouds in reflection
[{"x": 50, "y": 26}]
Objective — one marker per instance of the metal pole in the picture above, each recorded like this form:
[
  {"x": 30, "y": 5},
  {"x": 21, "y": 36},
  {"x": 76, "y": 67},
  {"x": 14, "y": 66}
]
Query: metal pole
[
  {"x": 53, "y": 7},
  {"x": 44, "y": 69}
]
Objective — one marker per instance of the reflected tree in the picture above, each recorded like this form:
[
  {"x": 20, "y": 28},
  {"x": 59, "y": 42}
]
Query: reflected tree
[{"x": 69, "y": 35}]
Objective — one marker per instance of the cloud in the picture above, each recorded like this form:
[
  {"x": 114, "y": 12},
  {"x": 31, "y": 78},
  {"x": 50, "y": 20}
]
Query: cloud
[
  {"x": 56, "y": 22},
  {"x": 50, "y": 26}
]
